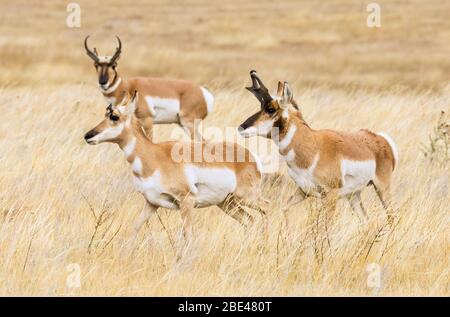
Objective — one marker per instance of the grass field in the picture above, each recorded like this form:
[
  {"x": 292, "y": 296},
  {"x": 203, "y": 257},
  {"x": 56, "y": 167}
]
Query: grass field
[{"x": 66, "y": 207}]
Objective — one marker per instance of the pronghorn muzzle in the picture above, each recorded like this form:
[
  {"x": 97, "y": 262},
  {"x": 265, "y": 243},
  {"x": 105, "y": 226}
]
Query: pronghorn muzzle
[
  {"x": 249, "y": 122},
  {"x": 89, "y": 135}
]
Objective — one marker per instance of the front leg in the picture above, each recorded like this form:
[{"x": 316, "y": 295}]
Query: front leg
[
  {"x": 186, "y": 207},
  {"x": 295, "y": 199},
  {"x": 145, "y": 214}
]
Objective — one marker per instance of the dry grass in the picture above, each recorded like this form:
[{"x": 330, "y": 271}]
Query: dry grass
[{"x": 54, "y": 187}]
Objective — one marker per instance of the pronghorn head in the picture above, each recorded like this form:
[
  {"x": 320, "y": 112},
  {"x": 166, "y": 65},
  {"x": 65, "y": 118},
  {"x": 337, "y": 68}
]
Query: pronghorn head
[
  {"x": 117, "y": 122},
  {"x": 105, "y": 65},
  {"x": 272, "y": 108}
]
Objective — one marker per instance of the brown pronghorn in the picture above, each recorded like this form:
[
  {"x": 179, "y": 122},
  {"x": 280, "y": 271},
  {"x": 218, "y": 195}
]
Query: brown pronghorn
[
  {"x": 162, "y": 100},
  {"x": 167, "y": 181},
  {"x": 322, "y": 162}
]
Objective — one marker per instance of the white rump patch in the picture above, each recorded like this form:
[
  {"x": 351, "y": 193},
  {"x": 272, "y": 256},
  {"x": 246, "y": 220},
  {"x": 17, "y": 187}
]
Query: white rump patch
[
  {"x": 163, "y": 110},
  {"x": 304, "y": 177},
  {"x": 392, "y": 144},
  {"x": 210, "y": 186},
  {"x": 356, "y": 175},
  {"x": 209, "y": 99}
]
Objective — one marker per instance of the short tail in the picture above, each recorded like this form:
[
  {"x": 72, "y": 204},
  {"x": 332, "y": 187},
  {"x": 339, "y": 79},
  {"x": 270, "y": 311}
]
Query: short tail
[
  {"x": 209, "y": 99},
  {"x": 393, "y": 146}
]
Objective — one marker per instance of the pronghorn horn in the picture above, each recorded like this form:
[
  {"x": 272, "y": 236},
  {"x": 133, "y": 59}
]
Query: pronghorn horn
[
  {"x": 117, "y": 53},
  {"x": 258, "y": 80},
  {"x": 90, "y": 53},
  {"x": 258, "y": 89}
]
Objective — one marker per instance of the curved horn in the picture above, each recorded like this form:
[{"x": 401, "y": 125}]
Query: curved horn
[
  {"x": 258, "y": 89},
  {"x": 90, "y": 53},
  {"x": 257, "y": 80},
  {"x": 118, "y": 51}
]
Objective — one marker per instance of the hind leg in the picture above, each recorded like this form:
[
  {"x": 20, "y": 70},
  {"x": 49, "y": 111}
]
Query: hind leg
[
  {"x": 233, "y": 209},
  {"x": 191, "y": 114},
  {"x": 251, "y": 198},
  {"x": 295, "y": 199},
  {"x": 384, "y": 194},
  {"x": 192, "y": 127},
  {"x": 357, "y": 205}
]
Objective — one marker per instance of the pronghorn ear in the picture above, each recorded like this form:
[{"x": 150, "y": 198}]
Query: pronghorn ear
[
  {"x": 287, "y": 93},
  {"x": 280, "y": 89}
]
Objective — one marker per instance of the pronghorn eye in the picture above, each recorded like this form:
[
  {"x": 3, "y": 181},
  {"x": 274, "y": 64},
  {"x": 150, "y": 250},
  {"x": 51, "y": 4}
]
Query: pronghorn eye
[
  {"x": 113, "y": 117},
  {"x": 270, "y": 110}
]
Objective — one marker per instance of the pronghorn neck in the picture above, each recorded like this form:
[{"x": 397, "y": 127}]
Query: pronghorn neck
[
  {"x": 115, "y": 87},
  {"x": 296, "y": 135},
  {"x": 132, "y": 138}
]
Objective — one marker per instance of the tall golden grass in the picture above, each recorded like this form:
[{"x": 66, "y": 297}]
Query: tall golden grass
[{"x": 64, "y": 203}]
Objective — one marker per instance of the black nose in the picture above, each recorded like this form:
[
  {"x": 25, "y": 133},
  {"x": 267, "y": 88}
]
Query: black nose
[
  {"x": 89, "y": 135},
  {"x": 103, "y": 80},
  {"x": 242, "y": 127}
]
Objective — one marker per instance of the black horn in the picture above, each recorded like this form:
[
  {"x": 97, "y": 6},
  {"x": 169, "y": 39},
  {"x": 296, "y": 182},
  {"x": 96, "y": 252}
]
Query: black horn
[
  {"x": 117, "y": 53},
  {"x": 90, "y": 53},
  {"x": 259, "y": 89}
]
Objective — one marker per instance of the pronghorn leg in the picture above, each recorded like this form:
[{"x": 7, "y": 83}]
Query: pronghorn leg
[
  {"x": 384, "y": 194},
  {"x": 186, "y": 206},
  {"x": 145, "y": 214},
  {"x": 260, "y": 205},
  {"x": 329, "y": 204},
  {"x": 357, "y": 205},
  {"x": 142, "y": 218},
  {"x": 295, "y": 199},
  {"x": 232, "y": 208},
  {"x": 192, "y": 127}
]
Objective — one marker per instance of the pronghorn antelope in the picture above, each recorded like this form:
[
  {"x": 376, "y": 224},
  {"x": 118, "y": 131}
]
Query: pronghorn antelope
[
  {"x": 322, "y": 162},
  {"x": 162, "y": 100},
  {"x": 176, "y": 184}
]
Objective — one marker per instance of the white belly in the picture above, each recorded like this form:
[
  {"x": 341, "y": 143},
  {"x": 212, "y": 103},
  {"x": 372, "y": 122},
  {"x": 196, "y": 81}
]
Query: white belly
[
  {"x": 153, "y": 190},
  {"x": 163, "y": 110},
  {"x": 356, "y": 175},
  {"x": 210, "y": 186}
]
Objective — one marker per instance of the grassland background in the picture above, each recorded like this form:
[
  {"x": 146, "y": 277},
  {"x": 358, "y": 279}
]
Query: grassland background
[{"x": 345, "y": 76}]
